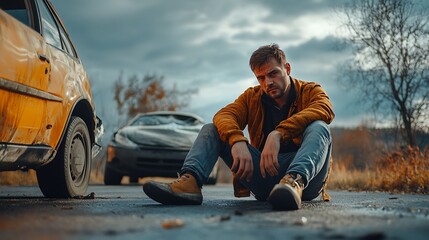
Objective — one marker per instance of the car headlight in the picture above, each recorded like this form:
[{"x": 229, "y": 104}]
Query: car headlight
[{"x": 124, "y": 141}]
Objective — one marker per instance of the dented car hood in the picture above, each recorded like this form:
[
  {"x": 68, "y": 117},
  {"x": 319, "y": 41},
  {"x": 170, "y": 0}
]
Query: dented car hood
[{"x": 167, "y": 136}]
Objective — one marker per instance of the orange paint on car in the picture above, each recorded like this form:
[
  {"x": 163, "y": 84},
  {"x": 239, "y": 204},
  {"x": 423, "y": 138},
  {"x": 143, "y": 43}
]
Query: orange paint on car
[{"x": 44, "y": 92}]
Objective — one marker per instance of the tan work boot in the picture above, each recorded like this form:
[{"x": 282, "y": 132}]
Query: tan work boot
[
  {"x": 286, "y": 195},
  {"x": 239, "y": 189},
  {"x": 182, "y": 191}
]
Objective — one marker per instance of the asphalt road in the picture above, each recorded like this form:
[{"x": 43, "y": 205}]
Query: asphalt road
[{"x": 125, "y": 212}]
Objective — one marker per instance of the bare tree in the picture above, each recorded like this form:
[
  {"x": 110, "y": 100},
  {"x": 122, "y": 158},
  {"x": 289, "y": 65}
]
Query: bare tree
[
  {"x": 147, "y": 94},
  {"x": 391, "y": 61}
]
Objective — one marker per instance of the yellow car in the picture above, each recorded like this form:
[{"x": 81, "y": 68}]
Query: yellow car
[{"x": 47, "y": 114}]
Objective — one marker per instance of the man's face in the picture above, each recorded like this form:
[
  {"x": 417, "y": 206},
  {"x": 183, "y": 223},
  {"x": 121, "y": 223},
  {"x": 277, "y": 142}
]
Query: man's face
[{"x": 274, "y": 79}]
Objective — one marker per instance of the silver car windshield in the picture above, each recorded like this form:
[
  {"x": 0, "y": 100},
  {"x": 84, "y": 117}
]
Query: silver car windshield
[{"x": 153, "y": 120}]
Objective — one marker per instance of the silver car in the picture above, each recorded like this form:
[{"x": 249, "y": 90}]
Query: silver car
[{"x": 152, "y": 144}]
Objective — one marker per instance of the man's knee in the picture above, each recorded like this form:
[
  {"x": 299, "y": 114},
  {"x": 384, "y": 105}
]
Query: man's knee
[
  {"x": 319, "y": 128},
  {"x": 209, "y": 128},
  {"x": 209, "y": 131}
]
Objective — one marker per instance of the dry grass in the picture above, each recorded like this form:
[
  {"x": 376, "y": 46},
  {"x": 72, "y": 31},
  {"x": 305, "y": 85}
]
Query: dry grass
[
  {"x": 28, "y": 178},
  {"x": 405, "y": 171},
  {"x": 344, "y": 178},
  {"x": 18, "y": 178}
]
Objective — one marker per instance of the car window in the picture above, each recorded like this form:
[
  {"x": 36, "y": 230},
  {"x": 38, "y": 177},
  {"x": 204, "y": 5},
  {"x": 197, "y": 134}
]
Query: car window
[
  {"x": 187, "y": 120},
  {"x": 17, "y": 10},
  {"x": 153, "y": 120},
  {"x": 67, "y": 44},
  {"x": 49, "y": 27}
]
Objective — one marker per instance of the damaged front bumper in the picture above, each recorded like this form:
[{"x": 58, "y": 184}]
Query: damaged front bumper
[{"x": 98, "y": 137}]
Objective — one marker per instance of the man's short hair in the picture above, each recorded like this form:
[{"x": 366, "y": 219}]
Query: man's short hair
[{"x": 264, "y": 53}]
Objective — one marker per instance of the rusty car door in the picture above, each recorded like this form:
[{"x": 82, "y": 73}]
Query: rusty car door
[{"x": 24, "y": 76}]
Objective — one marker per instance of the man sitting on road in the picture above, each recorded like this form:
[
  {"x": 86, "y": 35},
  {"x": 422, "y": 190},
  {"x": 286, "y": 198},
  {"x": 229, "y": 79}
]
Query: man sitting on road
[{"x": 288, "y": 157}]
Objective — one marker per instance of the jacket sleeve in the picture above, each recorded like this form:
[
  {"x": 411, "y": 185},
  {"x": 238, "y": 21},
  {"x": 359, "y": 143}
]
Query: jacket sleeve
[
  {"x": 315, "y": 106},
  {"x": 232, "y": 119}
]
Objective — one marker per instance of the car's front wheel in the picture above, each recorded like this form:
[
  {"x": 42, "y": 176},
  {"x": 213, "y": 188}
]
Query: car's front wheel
[
  {"x": 134, "y": 179},
  {"x": 111, "y": 177},
  {"x": 68, "y": 174}
]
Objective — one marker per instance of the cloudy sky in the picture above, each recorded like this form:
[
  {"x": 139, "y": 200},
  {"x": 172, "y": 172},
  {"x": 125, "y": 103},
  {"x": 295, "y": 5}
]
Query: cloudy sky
[{"x": 206, "y": 45}]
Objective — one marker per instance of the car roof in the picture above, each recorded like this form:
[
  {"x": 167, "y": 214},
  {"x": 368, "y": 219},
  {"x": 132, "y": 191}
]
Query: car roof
[{"x": 169, "y": 113}]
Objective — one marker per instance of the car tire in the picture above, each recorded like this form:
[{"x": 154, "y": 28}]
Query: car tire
[
  {"x": 69, "y": 173},
  {"x": 111, "y": 177},
  {"x": 134, "y": 179}
]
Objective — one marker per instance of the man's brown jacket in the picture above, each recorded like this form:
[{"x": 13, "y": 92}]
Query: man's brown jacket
[{"x": 311, "y": 104}]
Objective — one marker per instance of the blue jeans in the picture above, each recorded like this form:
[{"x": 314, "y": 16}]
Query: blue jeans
[{"x": 311, "y": 161}]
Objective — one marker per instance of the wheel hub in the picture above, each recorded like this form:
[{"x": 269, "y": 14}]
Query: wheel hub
[{"x": 77, "y": 158}]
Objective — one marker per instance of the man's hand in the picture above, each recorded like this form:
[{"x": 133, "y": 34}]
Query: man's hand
[
  {"x": 243, "y": 164},
  {"x": 269, "y": 161}
]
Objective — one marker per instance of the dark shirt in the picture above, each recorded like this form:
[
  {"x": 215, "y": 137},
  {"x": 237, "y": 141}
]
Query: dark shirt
[{"x": 274, "y": 115}]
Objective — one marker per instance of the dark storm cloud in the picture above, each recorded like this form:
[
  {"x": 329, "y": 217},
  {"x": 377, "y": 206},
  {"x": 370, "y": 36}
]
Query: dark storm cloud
[
  {"x": 293, "y": 8},
  {"x": 109, "y": 38},
  {"x": 319, "y": 48},
  {"x": 147, "y": 35},
  {"x": 201, "y": 44},
  {"x": 265, "y": 37}
]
